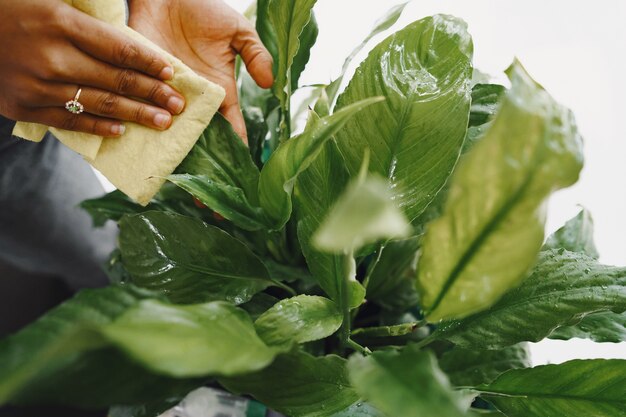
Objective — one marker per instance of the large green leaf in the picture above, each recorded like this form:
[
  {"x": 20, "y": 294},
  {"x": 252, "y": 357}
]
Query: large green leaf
[
  {"x": 227, "y": 200},
  {"x": 579, "y": 388},
  {"x": 317, "y": 189},
  {"x": 406, "y": 383},
  {"x": 188, "y": 260},
  {"x": 215, "y": 338},
  {"x": 299, "y": 385},
  {"x": 381, "y": 25},
  {"x": 485, "y": 101},
  {"x": 293, "y": 157},
  {"x": 113, "y": 206},
  {"x": 603, "y": 327},
  {"x": 221, "y": 156},
  {"x": 62, "y": 359},
  {"x": 493, "y": 223},
  {"x": 563, "y": 288},
  {"x": 469, "y": 368},
  {"x": 365, "y": 213},
  {"x": 391, "y": 282},
  {"x": 299, "y": 319},
  {"x": 288, "y": 19},
  {"x": 416, "y": 135},
  {"x": 575, "y": 236}
]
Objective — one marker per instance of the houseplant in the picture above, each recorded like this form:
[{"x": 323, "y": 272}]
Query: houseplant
[{"x": 418, "y": 189}]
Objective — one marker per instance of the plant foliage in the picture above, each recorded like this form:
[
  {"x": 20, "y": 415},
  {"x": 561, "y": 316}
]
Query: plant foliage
[{"x": 387, "y": 261}]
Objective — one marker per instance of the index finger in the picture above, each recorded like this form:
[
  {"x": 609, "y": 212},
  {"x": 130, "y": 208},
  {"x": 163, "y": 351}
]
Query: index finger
[{"x": 108, "y": 44}]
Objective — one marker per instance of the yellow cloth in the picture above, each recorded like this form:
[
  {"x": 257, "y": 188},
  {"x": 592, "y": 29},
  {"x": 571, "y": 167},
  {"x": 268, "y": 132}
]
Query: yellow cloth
[{"x": 138, "y": 161}]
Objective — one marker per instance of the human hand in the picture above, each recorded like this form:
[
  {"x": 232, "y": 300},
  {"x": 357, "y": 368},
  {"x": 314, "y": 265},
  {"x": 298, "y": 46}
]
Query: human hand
[
  {"x": 207, "y": 35},
  {"x": 49, "y": 50}
]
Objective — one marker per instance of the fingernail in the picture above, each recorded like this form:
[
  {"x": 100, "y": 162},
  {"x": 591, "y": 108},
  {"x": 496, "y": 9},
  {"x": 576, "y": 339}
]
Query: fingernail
[
  {"x": 118, "y": 129},
  {"x": 162, "y": 120},
  {"x": 175, "y": 104},
  {"x": 167, "y": 73}
]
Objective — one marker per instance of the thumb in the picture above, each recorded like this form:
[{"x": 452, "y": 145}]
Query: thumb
[{"x": 255, "y": 56}]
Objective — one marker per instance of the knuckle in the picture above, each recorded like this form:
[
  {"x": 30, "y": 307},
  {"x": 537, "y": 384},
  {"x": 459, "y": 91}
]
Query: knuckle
[
  {"x": 128, "y": 54},
  {"x": 69, "y": 122},
  {"x": 153, "y": 65},
  {"x": 157, "y": 93},
  {"x": 98, "y": 127},
  {"x": 139, "y": 113},
  {"x": 107, "y": 104},
  {"x": 126, "y": 81}
]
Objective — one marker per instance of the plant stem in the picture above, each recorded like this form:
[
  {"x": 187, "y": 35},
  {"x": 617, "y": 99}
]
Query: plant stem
[
  {"x": 348, "y": 271},
  {"x": 372, "y": 266}
]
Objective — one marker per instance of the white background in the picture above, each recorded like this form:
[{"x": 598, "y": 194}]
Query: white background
[{"x": 576, "y": 49}]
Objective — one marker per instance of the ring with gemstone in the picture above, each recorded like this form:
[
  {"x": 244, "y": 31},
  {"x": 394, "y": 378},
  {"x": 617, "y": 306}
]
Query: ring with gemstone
[{"x": 74, "y": 106}]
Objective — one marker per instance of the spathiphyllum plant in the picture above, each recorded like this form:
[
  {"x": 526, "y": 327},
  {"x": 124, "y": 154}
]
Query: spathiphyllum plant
[{"x": 390, "y": 260}]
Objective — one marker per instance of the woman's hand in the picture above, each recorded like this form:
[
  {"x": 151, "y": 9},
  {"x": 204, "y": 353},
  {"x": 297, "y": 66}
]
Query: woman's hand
[
  {"x": 49, "y": 50},
  {"x": 207, "y": 35}
]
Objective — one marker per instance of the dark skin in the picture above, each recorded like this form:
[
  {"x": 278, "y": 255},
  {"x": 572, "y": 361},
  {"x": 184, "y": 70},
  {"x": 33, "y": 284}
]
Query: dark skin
[{"x": 50, "y": 50}]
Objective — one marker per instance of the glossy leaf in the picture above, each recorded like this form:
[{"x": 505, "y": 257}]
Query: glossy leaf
[
  {"x": 293, "y": 157},
  {"x": 188, "y": 260},
  {"x": 359, "y": 409},
  {"x": 406, "y": 383},
  {"x": 113, "y": 206},
  {"x": 391, "y": 282},
  {"x": 309, "y": 386},
  {"x": 307, "y": 39},
  {"x": 579, "y": 388},
  {"x": 492, "y": 226},
  {"x": 227, "y": 200},
  {"x": 365, "y": 213},
  {"x": 467, "y": 368},
  {"x": 385, "y": 22},
  {"x": 602, "y": 327},
  {"x": 318, "y": 187},
  {"x": 485, "y": 102},
  {"x": 221, "y": 156},
  {"x": 575, "y": 236},
  {"x": 62, "y": 359},
  {"x": 289, "y": 19},
  {"x": 299, "y": 319},
  {"x": 416, "y": 135},
  {"x": 563, "y": 288},
  {"x": 186, "y": 341}
]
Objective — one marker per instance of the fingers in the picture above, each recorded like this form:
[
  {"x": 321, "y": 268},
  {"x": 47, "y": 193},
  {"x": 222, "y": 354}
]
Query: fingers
[
  {"x": 90, "y": 72},
  {"x": 86, "y": 123},
  {"x": 109, "y": 105},
  {"x": 110, "y": 45},
  {"x": 232, "y": 113},
  {"x": 257, "y": 58}
]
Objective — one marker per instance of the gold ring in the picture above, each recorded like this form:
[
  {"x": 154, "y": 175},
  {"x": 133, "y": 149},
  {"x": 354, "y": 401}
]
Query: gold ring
[{"x": 74, "y": 106}]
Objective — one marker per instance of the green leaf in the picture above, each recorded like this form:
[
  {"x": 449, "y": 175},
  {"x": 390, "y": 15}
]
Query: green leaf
[
  {"x": 485, "y": 102},
  {"x": 288, "y": 19},
  {"x": 416, "y": 135},
  {"x": 602, "y": 327},
  {"x": 266, "y": 30},
  {"x": 575, "y": 236},
  {"x": 563, "y": 288},
  {"x": 365, "y": 213},
  {"x": 215, "y": 338},
  {"x": 359, "y": 409},
  {"x": 493, "y": 223},
  {"x": 62, "y": 359},
  {"x": 113, "y": 206},
  {"x": 293, "y": 157},
  {"x": 299, "y": 385},
  {"x": 299, "y": 319},
  {"x": 317, "y": 189},
  {"x": 227, "y": 200},
  {"x": 188, "y": 260},
  {"x": 385, "y": 22},
  {"x": 391, "y": 282},
  {"x": 307, "y": 39},
  {"x": 468, "y": 368},
  {"x": 221, "y": 156},
  {"x": 406, "y": 383},
  {"x": 579, "y": 388}
]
